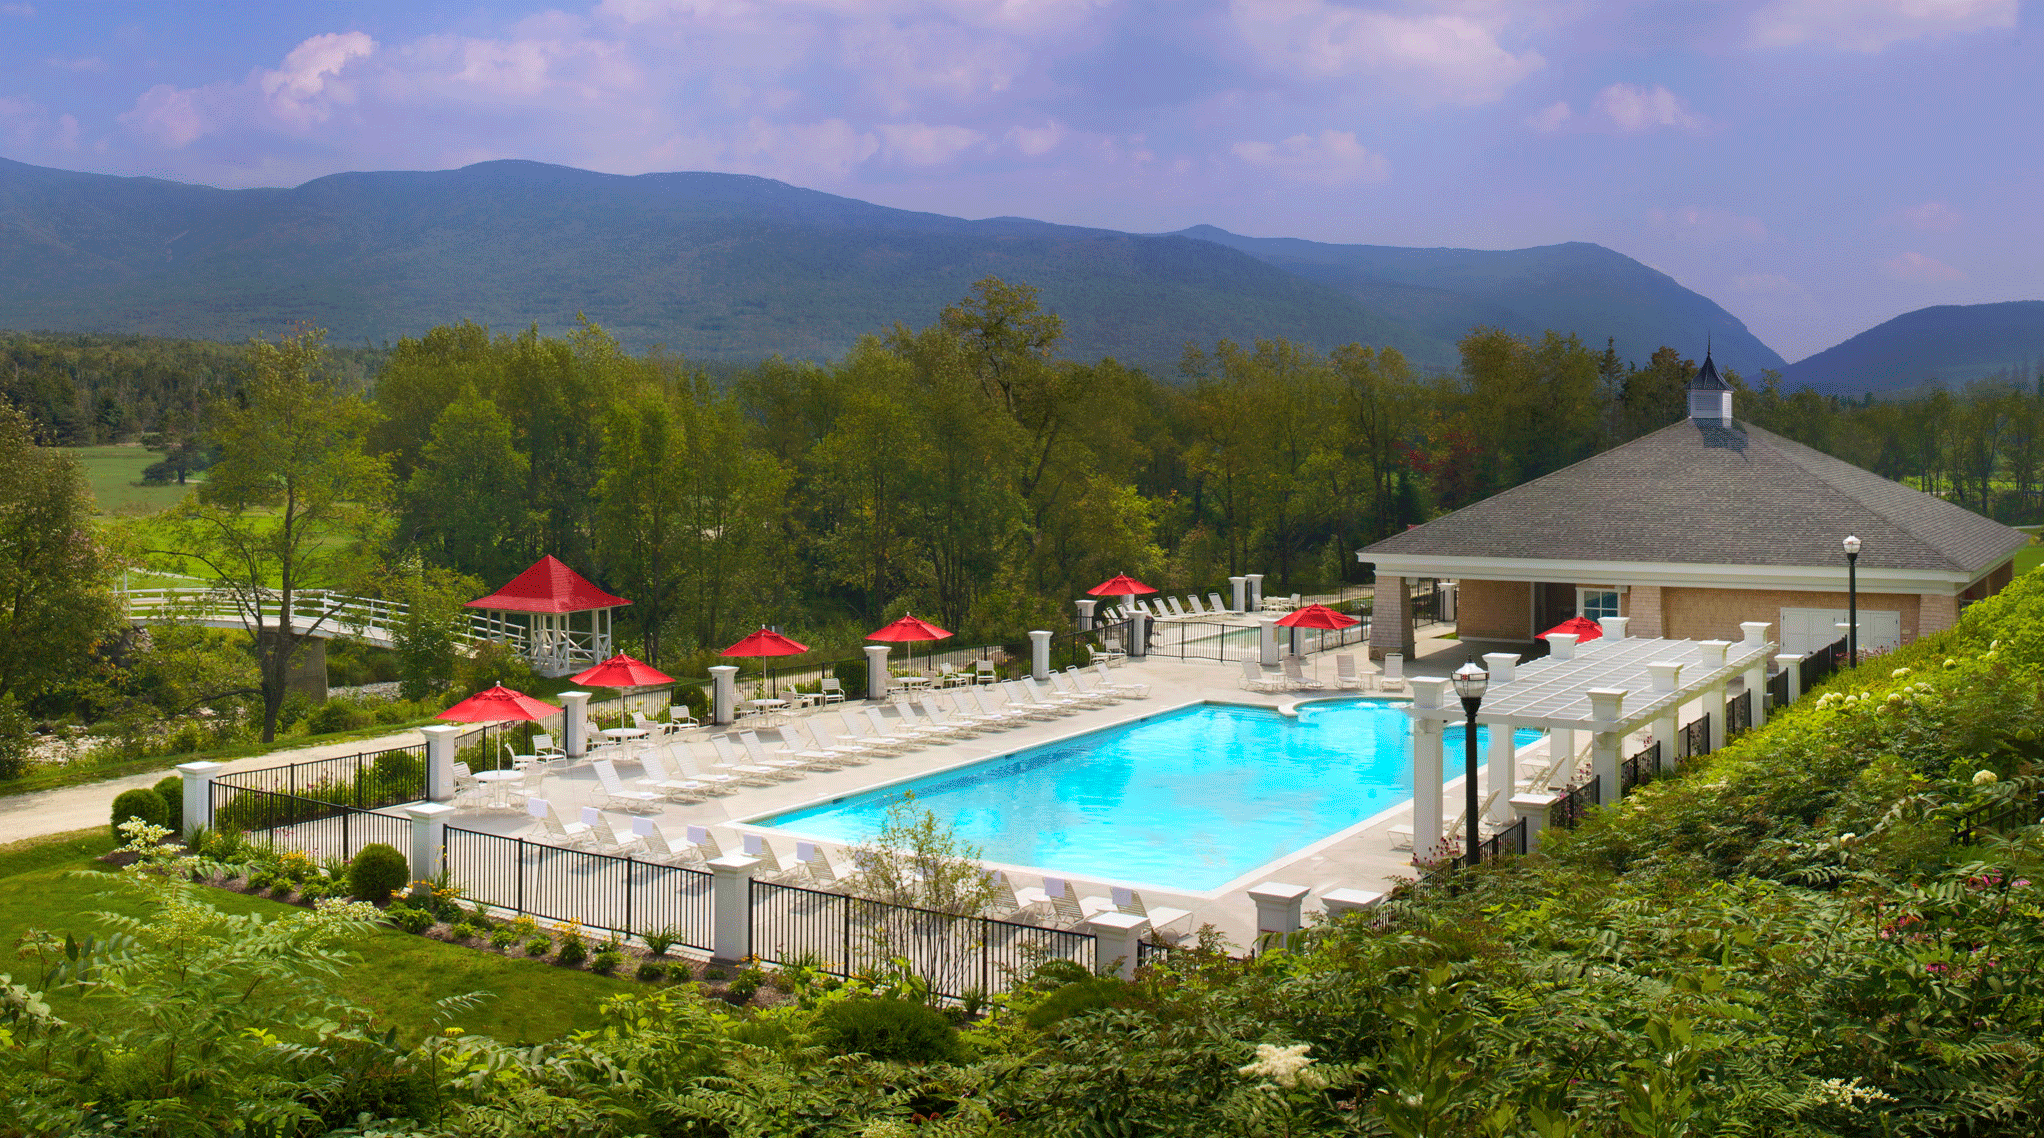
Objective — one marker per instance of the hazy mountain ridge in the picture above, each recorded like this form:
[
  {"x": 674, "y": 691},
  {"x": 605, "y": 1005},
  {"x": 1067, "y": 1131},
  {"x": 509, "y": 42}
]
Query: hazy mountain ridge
[
  {"x": 732, "y": 267},
  {"x": 1950, "y": 344}
]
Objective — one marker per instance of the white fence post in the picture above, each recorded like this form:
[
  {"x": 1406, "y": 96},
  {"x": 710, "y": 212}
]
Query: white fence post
[
  {"x": 1039, "y": 654},
  {"x": 723, "y": 693},
  {"x": 1266, "y": 641},
  {"x": 731, "y": 907},
  {"x": 1085, "y": 607},
  {"x": 575, "y": 724},
  {"x": 1255, "y": 581},
  {"x": 429, "y": 837},
  {"x": 1239, "y": 594},
  {"x": 198, "y": 795},
  {"x": 1116, "y": 934},
  {"x": 1793, "y": 665},
  {"x": 876, "y": 671},
  {"x": 1278, "y": 909},
  {"x": 440, "y": 739},
  {"x": 1534, "y": 809}
]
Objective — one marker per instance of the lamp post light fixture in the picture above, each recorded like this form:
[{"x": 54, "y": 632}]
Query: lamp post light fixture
[
  {"x": 1470, "y": 683},
  {"x": 1852, "y": 600}
]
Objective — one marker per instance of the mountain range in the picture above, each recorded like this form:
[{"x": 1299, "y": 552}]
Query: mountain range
[
  {"x": 1948, "y": 344},
  {"x": 730, "y": 267}
]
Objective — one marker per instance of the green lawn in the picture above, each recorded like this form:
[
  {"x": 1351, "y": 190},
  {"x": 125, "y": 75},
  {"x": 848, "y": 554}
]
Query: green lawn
[
  {"x": 2029, "y": 558},
  {"x": 116, "y": 471},
  {"x": 398, "y": 975}
]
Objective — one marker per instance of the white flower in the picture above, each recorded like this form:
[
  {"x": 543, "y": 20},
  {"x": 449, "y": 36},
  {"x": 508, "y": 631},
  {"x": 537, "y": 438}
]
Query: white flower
[
  {"x": 1285, "y": 1066},
  {"x": 1850, "y": 1093},
  {"x": 1985, "y": 778},
  {"x": 1898, "y": 673}
]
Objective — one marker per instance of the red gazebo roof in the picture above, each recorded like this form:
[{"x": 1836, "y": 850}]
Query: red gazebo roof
[{"x": 549, "y": 586}]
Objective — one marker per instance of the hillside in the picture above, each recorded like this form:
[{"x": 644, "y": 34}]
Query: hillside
[
  {"x": 1947, "y": 343},
  {"x": 1443, "y": 292},
  {"x": 720, "y": 266}
]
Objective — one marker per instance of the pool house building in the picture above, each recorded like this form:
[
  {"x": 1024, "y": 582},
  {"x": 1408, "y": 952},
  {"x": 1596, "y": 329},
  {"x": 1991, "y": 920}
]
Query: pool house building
[
  {"x": 554, "y": 616},
  {"x": 1692, "y": 532}
]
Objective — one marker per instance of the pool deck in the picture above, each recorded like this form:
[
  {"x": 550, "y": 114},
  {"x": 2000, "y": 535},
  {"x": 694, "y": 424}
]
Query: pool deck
[{"x": 1358, "y": 859}]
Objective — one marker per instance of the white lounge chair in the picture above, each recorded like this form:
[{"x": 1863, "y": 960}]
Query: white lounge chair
[
  {"x": 1177, "y": 610},
  {"x": 653, "y": 845},
  {"x": 657, "y": 780},
  {"x": 715, "y": 782},
  {"x": 1161, "y": 918},
  {"x": 1067, "y": 910},
  {"x": 1020, "y": 703},
  {"x": 612, "y": 789},
  {"x": 995, "y": 714},
  {"x": 1064, "y": 684},
  {"x": 1296, "y": 677},
  {"x": 729, "y": 759},
  {"x": 770, "y": 867},
  {"x": 705, "y": 842},
  {"x": 1401, "y": 836},
  {"x": 1392, "y": 678},
  {"x": 928, "y": 725},
  {"x": 1120, "y": 688},
  {"x": 1096, "y": 655},
  {"x": 814, "y": 864},
  {"x": 1254, "y": 679},
  {"x": 819, "y": 729},
  {"x": 879, "y": 742},
  {"x": 1193, "y": 607},
  {"x": 602, "y": 838},
  {"x": 548, "y": 824},
  {"x": 903, "y": 728},
  {"x": 959, "y": 719},
  {"x": 798, "y": 742},
  {"x": 757, "y": 752},
  {"x": 1215, "y": 603},
  {"x": 1345, "y": 676},
  {"x": 1061, "y": 701}
]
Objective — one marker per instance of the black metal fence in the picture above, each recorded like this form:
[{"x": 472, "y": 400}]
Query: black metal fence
[
  {"x": 365, "y": 781},
  {"x": 602, "y": 891},
  {"x": 1641, "y": 768},
  {"x": 1081, "y": 648},
  {"x": 1427, "y": 603},
  {"x": 1510, "y": 840},
  {"x": 1994, "y": 817},
  {"x": 310, "y": 826},
  {"x": 1695, "y": 738},
  {"x": 1818, "y": 665},
  {"x": 1576, "y": 802},
  {"x": 849, "y": 936},
  {"x": 1203, "y": 640},
  {"x": 1738, "y": 715},
  {"x": 1778, "y": 693}
]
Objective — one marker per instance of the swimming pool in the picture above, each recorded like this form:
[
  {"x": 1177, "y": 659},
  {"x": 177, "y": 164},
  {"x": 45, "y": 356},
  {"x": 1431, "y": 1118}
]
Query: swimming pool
[{"x": 1188, "y": 800}]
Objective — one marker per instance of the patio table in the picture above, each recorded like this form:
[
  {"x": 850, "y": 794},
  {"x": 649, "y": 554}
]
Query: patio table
[
  {"x": 914, "y": 683},
  {"x": 499, "y": 785},
  {"x": 768, "y": 710}
]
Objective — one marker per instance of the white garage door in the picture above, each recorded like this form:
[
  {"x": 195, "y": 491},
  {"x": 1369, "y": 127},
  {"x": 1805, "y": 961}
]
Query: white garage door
[{"x": 1805, "y": 630}]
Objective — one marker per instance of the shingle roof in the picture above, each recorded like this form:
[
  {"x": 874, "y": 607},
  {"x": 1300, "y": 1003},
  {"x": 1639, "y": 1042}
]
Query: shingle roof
[
  {"x": 549, "y": 586},
  {"x": 1705, "y": 494}
]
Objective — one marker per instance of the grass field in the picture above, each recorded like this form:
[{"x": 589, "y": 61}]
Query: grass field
[
  {"x": 397, "y": 975},
  {"x": 115, "y": 472}
]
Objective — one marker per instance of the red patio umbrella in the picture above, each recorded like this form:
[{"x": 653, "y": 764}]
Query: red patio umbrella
[
  {"x": 766, "y": 642},
  {"x": 910, "y": 629},
  {"x": 1119, "y": 585},
  {"x": 621, "y": 671},
  {"x": 1583, "y": 627},
  {"x": 1317, "y": 616},
  {"x": 498, "y": 705}
]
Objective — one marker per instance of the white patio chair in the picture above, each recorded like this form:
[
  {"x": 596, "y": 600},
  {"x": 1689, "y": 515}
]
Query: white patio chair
[
  {"x": 653, "y": 728},
  {"x": 1345, "y": 676},
  {"x": 983, "y": 672},
  {"x": 657, "y": 780},
  {"x": 729, "y": 759},
  {"x": 1296, "y": 677},
  {"x": 1392, "y": 678},
  {"x": 679, "y": 717},
  {"x": 831, "y": 690},
  {"x": 1161, "y": 918},
  {"x": 756, "y": 751},
  {"x": 1254, "y": 679},
  {"x": 543, "y": 745},
  {"x": 1119, "y": 688},
  {"x": 612, "y": 789},
  {"x": 468, "y": 790},
  {"x": 1401, "y": 836}
]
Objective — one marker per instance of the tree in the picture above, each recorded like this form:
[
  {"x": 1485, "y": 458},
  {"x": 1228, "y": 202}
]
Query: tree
[
  {"x": 465, "y": 500},
  {"x": 276, "y": 514},
  {"x": 429, "y": 637},
  {"x": 57, "y": 599}
]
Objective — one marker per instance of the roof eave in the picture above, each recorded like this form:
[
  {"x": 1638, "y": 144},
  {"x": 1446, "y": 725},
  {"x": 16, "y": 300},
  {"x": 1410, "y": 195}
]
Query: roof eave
[{"x": 1675, "y": 574}]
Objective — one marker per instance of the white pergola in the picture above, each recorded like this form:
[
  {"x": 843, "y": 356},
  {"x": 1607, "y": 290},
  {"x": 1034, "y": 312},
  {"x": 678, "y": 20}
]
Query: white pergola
[{"x": 1607, "y": 688}]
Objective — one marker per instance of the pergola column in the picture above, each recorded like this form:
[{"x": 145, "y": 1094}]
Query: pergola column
[
  {"x": 1755, "y": 632},
  {"x": 1714, "y": 696},
  {"x": 1238, "y": 594},
  {"x": 1606, "y": 705},
  {"x": 1500, "y": 773},
  {"x": 1426, "y": 767},
  {"x": 1667, "y": 678}
]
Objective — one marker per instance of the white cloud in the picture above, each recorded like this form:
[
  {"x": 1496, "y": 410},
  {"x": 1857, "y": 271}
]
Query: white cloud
[
  {"x": 1034, "y": 141},
  {"x": 827, "y": 149},
  {"x": 1331, "y": 158},
  {"x": 1441, "y": 57},
  {"x": 1930, "y": 217},
  {"x": 83, "y": 63},
  {"x": 1919, "y": 269},
  {"x": 167, "y": 116},
  {"x": 1633, "y": 108},
  {"x": 1871, "y": 25},
  {"x": 1768, "y": 284},
  {"x": 301, "y": 91},
  {"x": 1550, "y": 118},
  {"x": 1706, "y": 224},
  {"x": 920, "y": 144}
]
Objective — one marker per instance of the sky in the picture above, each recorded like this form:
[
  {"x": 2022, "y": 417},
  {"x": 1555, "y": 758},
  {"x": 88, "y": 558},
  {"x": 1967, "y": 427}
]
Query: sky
[{"x": 1815, "y": 166}]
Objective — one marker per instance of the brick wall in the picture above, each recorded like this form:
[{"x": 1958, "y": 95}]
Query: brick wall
[
  {"x": 1495, "y": 610},
  {"x": 1390, "y": 618},
  {"x": 1715, "y": 614},
  {"x": 1642, "y": 604},
  {"x": 1937, "y": 614}
]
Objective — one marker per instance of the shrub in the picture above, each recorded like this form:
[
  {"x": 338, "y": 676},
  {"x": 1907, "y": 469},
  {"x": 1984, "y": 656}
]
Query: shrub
[
  {"x": 1087, "y": 995},
  {"x": 679, "y": 971},
  {"x": 660, "y": 940},
  {"x": 282, "y": 888},
  {"x": 606, "y": 962},
  {"x": 409, "y": 919},
  {"x": 260, "y": 880},
  {"x": 377, "y": 872},
  {"x": 715, "y": 973},
  {"x": 503, "y": 938},
  {"x": 573, "y": 951},
  {"x": 695, "y": 699},
  {"x": 539, "y": 945},
  {"x": 140, "y": 802},
  {"x": 172, "y": 790},
  {"x": 652, "y": 971},
  {"x": 746, "y": 985},
  {"x": 338, "y": 715},
  {"x": 464, "y": 931},
  {"x": 889, "y": 1029}
]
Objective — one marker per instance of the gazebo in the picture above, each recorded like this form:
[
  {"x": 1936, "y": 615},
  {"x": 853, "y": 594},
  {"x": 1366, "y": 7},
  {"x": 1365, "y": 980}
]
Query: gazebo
[
  {"x": 1606, "y": 689},
  {"x": 542, "y": 610}
]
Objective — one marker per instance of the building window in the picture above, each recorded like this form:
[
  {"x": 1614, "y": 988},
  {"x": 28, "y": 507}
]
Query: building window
[{"x": 1596, "y": 604}]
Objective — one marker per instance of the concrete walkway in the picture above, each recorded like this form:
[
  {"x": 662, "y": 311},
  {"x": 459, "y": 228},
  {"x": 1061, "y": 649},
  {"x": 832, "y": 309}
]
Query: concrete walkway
[{"x": 78, "y": 807}]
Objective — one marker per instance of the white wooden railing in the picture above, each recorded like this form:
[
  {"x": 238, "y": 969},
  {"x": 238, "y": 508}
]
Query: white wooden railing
[{"x": 335, "y": 614}]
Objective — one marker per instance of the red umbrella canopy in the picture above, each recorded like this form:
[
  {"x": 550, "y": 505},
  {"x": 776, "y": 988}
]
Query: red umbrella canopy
[
  {"x": 1583, "y": 627},
  {"x": 766, "y": 642},
  {"x": 1119, "y": 585},
  {"x": 909, "y": 628},
  {"x": 498, "y": 704},
  {"x": 1317, "y": 616},
  {"x": 621, "y": 671}
]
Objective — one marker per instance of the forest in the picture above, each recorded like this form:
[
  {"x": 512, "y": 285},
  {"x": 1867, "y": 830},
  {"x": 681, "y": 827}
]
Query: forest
[{"x": 967, "y": 470}]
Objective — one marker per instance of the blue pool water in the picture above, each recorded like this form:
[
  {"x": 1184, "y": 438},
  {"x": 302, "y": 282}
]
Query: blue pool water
[{"x": 1187, "y": 801}]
